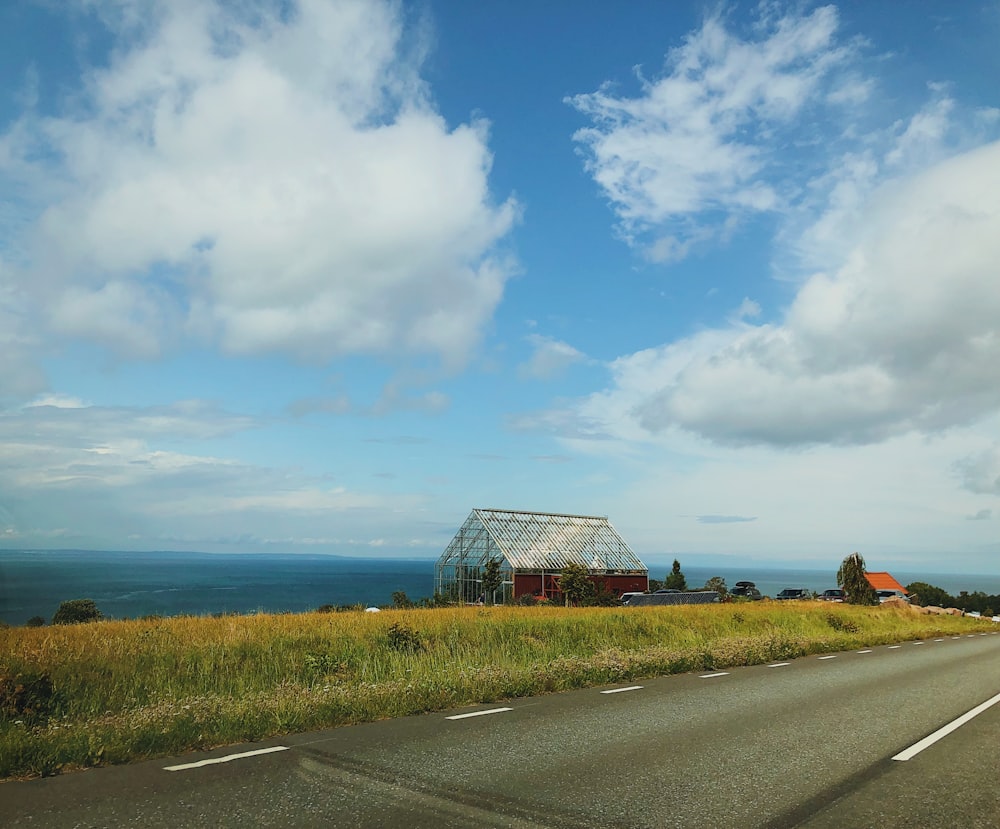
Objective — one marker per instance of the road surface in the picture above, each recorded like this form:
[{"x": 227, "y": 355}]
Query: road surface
[{"x": 809, "y": 743}]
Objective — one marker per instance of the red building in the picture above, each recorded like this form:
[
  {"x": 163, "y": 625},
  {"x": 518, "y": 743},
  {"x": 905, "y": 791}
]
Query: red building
[{"x": 883, "y": 581}]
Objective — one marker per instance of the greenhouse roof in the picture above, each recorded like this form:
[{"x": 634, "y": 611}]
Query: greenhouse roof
[{"x": 550, "y": 541}]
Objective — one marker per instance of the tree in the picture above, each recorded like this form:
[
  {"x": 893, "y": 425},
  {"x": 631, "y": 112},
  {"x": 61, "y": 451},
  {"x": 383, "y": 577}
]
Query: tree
[
  {"x": 923, "y": 594},
  {"x": 77, "y": 610},
  {"x": 575, "y": 583},
  {"x": 851, "y": 577},
  {"x": 492, "y": 579},
  {"x": 400, "y": 600},
  {"x": 718, "y": 584},
  {"x": 35, "y": 622},
  {"x": 675, "y": 578}
]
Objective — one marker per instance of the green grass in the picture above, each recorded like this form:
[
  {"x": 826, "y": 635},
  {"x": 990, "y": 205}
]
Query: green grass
[{"x": 122, "y": 691}]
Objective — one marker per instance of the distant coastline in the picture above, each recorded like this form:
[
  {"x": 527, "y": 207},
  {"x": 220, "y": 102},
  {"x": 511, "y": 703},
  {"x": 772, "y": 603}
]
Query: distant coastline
[{"x": 130, "y": 584}]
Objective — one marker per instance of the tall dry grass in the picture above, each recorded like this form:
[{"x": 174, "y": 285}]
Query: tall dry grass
[{"x": 124, "y": 690}]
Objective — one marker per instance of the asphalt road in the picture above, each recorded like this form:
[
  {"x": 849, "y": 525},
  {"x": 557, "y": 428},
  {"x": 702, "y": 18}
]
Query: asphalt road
[{"x": 809, "y": 743}]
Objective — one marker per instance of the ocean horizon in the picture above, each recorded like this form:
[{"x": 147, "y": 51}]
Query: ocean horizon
[{"x": 125, "y": 584}]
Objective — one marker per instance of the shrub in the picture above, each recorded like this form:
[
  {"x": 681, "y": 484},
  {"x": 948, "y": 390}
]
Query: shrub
[
  {"x": 841, "y": 624},
  {"x": 35, "y": 622},
  {"x": 26, "y": 696},
  {"x": 402, "y": 638},
  {"x": 76, "y": 611}
]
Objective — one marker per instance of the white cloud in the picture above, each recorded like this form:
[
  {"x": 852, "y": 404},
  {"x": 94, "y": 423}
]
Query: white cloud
[
  {"x": 276, "y": 181},
  {"x": 903, "y": 336},
  {"x": 550, "y": 358},
  {"x": 704, "y": 140}
]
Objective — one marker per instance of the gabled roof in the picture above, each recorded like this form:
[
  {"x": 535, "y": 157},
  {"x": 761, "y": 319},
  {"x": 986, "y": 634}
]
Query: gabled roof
[
  {"x": 550, "y": 541},
  {"x": 883, "y": 581}
]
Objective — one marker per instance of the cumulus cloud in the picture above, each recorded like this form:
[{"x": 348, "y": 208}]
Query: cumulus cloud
[
  {"x": 705, "y": 143},
  {"x": 890, "y": 236},
  {"x": 264, "y": 178},
  {"x": 905, "y": 336}
]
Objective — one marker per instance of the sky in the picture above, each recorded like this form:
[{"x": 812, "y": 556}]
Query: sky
[{"x": 325, "y": 275}]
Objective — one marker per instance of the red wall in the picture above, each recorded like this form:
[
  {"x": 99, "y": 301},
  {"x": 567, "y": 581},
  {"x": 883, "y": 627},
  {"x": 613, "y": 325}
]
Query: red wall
[{"x": 547, "y": 585}]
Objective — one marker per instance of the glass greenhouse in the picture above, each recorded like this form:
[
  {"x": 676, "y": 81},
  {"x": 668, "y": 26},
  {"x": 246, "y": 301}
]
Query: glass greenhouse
[{"x": 530, "y": 549}]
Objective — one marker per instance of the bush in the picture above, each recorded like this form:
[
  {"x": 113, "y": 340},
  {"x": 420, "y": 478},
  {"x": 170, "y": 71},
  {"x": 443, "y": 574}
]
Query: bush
[
  {"x": 841, "y": 624},
  {"x": 402, "y": 638},
  {"x": 76, "y": 611},
  {"x": 26, "y": 697},
  {"x": 35, "y": 622}
]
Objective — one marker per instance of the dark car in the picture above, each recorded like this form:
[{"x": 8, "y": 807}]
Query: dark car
[
  {"x": 745, "y": 590},
  {"x": 793, "y": 593},
  {"x": 667, "y": 590},
  {"x": 833, "y": 595}
]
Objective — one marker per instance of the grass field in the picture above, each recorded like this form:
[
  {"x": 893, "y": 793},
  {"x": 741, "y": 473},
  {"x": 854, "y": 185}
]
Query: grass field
[{"x": 73, "y": 696}]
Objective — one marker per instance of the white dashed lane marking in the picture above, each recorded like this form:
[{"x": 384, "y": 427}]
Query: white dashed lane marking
[
  {"x": 779, "y": 664},
  {"x": 944, "y": 731},
  {"x": 620, "y": 690},
  {"x": 711, "y": 676},
  {"x": 478, "y": 713},
  {"x": 831, "y": 656},
  {"x": 215, "y": 760},
  {"x": 868, "y": 651}
]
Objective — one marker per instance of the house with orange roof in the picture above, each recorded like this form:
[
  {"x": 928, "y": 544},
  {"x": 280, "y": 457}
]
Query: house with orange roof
[{"x": 884, "y": 581}]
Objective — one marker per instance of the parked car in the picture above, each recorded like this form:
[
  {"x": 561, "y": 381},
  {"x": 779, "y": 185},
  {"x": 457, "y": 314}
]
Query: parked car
[
  {"x": 886, "y": 595},
  {"x": 833, "y": 595},
  {"x": 627, "y": 597},
  {"x": 794, "y": 593},
  {"x": 745, "y": 590}
]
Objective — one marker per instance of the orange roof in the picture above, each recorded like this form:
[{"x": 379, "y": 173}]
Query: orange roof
[{"x": 883, "y": 581}]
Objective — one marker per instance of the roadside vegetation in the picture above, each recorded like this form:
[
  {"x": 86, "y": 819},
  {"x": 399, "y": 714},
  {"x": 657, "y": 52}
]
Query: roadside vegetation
[{"x": 78, "y": 695}]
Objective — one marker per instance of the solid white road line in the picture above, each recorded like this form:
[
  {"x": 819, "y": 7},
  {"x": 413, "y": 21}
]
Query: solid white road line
[
  {"x": 710, "y": 676},
  {"x": 619, "y": 690},
  {"x": 779, "y": 664},
  {"x": 831, "y": 656},
  {"x": 944, "y": 731},
  {"x": 478, "y": 713},
  {"x": 215, "y": 760}
]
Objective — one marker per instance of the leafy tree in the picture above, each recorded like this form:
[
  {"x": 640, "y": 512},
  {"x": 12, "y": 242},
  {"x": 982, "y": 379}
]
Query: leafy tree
[
  {"x": 851, "y": 577},
  {"x": 602, "y": 596},
  {"x": 75, "y": 611},
  {"x": 35, "y": 622},
  {"x": 654, "y": 585},
  {"x": 575, "y": 583},
  {"x": 492, "y": 579},
  {"x": 718, "y": 584},
  {"x": 400, "y": 600},
  {"x": 675, "y": 578},
  {"x": 923, "y": 594}
]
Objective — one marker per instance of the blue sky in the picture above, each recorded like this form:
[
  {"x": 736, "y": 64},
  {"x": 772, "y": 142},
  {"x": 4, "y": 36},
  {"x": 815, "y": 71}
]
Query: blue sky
[{"x": 324, "y": 276}]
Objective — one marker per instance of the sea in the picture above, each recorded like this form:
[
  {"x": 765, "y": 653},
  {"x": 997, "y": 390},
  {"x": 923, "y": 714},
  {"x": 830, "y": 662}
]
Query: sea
[{"x": 136, "y": 584}]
